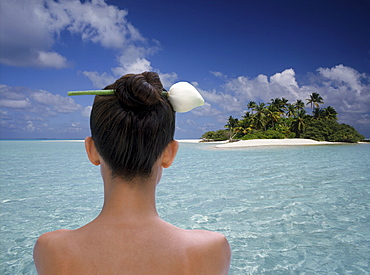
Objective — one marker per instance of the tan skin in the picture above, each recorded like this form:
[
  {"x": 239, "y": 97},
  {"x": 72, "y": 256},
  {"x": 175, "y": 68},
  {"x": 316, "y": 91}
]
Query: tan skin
[{"x": 128, "y": 236}]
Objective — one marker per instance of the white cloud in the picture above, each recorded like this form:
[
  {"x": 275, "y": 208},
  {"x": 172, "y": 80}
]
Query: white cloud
[
  {"x": 21, "y": 35},
  {"x": 28, "y": 29},
  {"x": 4, "y": 114},
  {"x": 364, "y": 119},
  {"x": 38, "y": 102},
  {"x": 191, "y": 122},
  {"x": 214, "y": 96},
  {"x": 239, "y": 86},
  {"x": 16, "y": 104},
  {"x": 136, "y": 66},
  {"x": 285, "y": 79},
  {"x": 86, "y": 111},
  {"x": 99, "y": 80},
  {"x": 345, "y": 88},
  {"x": 262, "y": 89},
  {"x": 218, "y": 74},
  {"x": 30, "y": 127},
  {"x": 341, "y": 75},
  {"x": 74, "y": 127},
  {"x": 58, "y": 103},
  {"x": 167, "y": 79},
  {"x": 131, "y": 54},
  {"x": 98, "y": 22},
  {"x": 52, "y": 60},
  {"x": 217, "y": 107},
  {"x": 206, "y": 110},
  {"x": 285, "y": 83},
  {"x": 38, "y": 112},
  {"x": 6, "y": 125}
]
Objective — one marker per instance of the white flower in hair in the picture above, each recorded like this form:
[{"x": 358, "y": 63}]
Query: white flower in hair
[{"x": 184, "y": 97}]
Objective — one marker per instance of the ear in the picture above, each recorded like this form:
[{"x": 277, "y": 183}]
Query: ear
[
  {"x": 91, "y": 151},
  {"x": 169, "y": 154}
]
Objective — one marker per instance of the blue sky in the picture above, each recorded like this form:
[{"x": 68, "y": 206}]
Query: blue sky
[{"x": 233, "y": 51}]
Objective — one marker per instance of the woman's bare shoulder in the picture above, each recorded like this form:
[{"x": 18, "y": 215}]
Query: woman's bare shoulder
[
  {"x": 52, "y": 250},
  {"x": 210, "y": 252},
  {"x": 48, "y": 240},
  {"x": 207, "y": 238}
]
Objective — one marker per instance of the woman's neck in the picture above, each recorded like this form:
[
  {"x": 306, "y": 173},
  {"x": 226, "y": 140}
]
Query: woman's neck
[{"x": 129, "y": 201}]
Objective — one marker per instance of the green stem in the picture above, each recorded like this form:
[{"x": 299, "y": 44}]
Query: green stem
[{"x": 92, "y": 92}]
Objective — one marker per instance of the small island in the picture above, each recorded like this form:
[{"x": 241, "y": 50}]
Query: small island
[{"x": 280, "y": 119}]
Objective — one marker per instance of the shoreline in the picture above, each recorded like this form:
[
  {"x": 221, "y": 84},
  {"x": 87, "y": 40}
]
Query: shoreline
[
  {"x": 275, "y": 142},
  {"x": 188, "y": 140},
  {"x": 263, "y": 142}
]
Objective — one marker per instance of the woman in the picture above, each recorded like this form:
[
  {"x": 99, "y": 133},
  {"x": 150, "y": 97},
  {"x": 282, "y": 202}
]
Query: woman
[{"x": 132, "y": 141}]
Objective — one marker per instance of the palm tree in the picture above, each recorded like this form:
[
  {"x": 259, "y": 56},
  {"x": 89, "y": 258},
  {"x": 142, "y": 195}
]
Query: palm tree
[
  {"x": 291, "y": 110},
  {"x": 245, "y": 124},
  {"x": 272, "y": 114},
  {"x": 299, "y": 105},
  {"x": 251, "y": 105},
  {"x": 231, "y": 125},
  {"x": 284, "y": 103},
  {"x": 315, "y": 99},
  {"x": 279, "y": 104},
  {"x": 318, "y": 113},
  {"x": 330, "y": 113},
  {"x": 247, "y": 115},
  {"x": 259, "y": 116},
  {"x": 298, "y": 123}
]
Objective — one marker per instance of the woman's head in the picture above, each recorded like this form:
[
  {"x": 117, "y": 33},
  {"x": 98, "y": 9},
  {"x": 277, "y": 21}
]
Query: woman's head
[{"x": 131, "y": 128}]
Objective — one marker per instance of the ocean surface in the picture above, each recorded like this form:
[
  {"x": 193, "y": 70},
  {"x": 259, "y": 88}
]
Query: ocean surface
[{"x": 284, "y": 210}]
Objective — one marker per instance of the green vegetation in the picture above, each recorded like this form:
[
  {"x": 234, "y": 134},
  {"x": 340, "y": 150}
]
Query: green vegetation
[
  {"x": 281, "y": 119},
  {"x": 217, "y": 135}
]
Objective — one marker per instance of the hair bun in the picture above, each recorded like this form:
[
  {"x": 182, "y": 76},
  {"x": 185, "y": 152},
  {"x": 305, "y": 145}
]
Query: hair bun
[{"x": 139, "y": 90}]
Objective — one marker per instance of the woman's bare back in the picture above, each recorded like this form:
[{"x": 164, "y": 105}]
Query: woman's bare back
[{"x": 142, "y": 248}]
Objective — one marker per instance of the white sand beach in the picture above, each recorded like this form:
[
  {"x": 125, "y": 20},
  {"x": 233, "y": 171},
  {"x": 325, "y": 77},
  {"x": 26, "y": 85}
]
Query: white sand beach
[
  {"x": 273, "y": 142},
  {"x": 200, "y": 140},
  {"x": 189, "y": 140}
]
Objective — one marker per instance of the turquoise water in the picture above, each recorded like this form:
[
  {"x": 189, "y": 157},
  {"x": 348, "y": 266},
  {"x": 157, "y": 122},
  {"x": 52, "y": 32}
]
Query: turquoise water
[{"x": 284, "y": 210}]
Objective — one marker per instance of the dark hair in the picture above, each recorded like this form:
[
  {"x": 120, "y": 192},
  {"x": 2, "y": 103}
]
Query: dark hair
[{"x": 131, "y": 128}]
